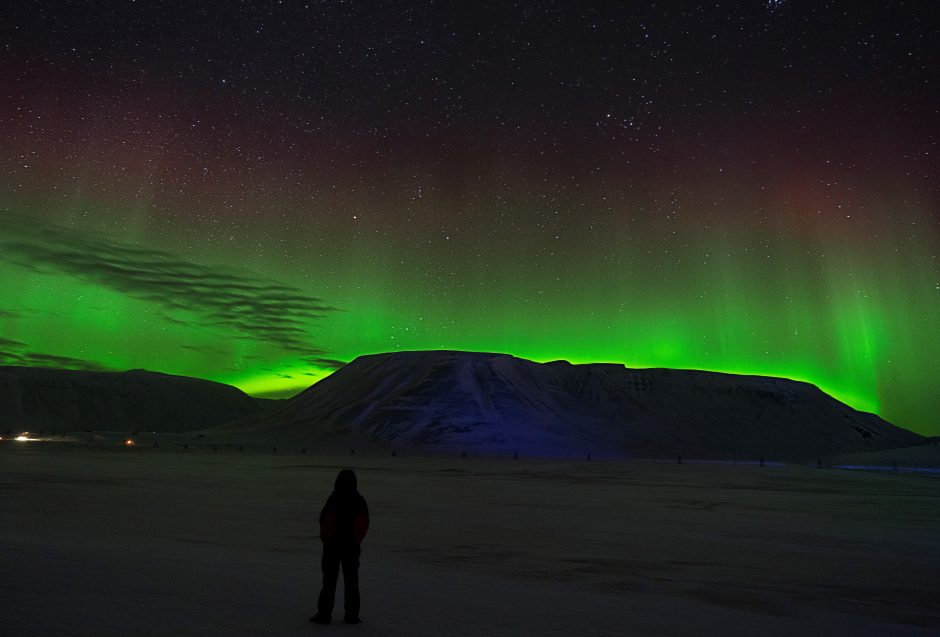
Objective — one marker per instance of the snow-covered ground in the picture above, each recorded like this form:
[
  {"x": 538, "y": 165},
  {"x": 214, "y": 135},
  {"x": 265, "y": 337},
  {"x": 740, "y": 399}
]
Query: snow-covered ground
[{"x": 165, "y": 542}]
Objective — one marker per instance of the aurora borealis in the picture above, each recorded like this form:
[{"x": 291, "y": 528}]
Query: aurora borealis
[{"x": 255, "y": 192}]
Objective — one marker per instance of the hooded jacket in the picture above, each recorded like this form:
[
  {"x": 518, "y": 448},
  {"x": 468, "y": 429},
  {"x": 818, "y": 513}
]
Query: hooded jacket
[{"x": 344, "y": 519}]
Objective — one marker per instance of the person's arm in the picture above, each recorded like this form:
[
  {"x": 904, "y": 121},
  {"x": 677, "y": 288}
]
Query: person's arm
[
  {"x": 361, "y": 523},
  {"x": 327, "y": 523}
]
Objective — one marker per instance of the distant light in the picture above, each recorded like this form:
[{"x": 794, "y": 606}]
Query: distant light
[
  {"x": 22, "y": 438},
  {"x": 128, "y": 443}
]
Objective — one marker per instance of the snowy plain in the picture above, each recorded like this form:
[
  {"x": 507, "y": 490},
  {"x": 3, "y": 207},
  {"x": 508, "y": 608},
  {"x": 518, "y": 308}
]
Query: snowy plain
[{"x": 103, "y": 542}]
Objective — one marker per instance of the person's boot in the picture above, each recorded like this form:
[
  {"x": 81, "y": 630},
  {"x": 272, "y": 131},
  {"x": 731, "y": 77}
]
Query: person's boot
[{"x": 320, "y": 619}]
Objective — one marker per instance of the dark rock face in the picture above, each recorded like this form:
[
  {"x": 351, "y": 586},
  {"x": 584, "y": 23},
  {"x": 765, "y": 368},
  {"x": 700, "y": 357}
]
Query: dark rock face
[
  {"x": 34, "y": 399},
  {"x": 495, "y": 402}
]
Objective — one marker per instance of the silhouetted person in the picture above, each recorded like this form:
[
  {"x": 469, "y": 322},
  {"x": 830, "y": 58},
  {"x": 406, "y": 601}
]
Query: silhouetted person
[{"x": 344, "y": 522}]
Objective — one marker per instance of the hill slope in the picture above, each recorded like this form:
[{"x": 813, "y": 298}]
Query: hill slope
[
  {"x": 495, "y": 402},
  {"x": 65, "y": 400}
]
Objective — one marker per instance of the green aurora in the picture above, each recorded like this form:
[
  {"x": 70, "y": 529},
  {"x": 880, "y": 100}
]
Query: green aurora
[
  {"x": 855, "y": 323},
  {"x": 256, "y": 196}
]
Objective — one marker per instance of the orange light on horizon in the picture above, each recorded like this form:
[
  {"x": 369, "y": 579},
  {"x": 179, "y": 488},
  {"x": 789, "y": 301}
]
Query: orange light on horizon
[{"x": 128, "y": 443}]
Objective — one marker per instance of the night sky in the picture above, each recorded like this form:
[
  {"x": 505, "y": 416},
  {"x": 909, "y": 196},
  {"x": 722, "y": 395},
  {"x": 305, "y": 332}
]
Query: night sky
[{"x": 256, "y": 192}]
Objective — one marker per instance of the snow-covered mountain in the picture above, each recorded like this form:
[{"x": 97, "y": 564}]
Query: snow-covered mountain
[
  {"x": 35, "y": 399},
  {"x": 499, "y": 403}
]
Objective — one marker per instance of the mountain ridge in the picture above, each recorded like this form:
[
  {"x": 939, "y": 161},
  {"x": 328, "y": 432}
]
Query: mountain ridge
[
  {"x": 40, "y": 398},
  {"x": 451, "y": 399}
]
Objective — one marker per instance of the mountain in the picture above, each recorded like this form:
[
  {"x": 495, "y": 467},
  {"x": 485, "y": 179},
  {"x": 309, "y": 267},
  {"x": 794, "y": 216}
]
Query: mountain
[
  {"x": 37, "y": 399},
  {"x": 499, "y": 403}
]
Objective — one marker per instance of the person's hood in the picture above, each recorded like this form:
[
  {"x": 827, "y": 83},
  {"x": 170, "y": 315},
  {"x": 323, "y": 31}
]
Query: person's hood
[{"x": 346, "y": 482}]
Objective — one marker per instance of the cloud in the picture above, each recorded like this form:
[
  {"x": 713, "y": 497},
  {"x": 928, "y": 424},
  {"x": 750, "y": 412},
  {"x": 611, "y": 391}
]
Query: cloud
[
  {"x": 207, "y": 350},
  {"x": 17, "y": 353},
  {"x": 34, "y": 359},
  {"x": 7, "y": 344},
  {"x": 253, "y": 307},
  {"x": 328, "y": 363}
]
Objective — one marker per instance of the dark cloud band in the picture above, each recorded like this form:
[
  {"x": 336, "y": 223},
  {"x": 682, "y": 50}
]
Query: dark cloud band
[
  {"x": 252, "y": 307},
  {"x": 17, "y": 353}
]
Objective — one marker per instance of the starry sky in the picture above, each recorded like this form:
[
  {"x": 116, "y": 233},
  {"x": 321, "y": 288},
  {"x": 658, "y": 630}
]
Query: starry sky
[{"x": 257, "y": 192}]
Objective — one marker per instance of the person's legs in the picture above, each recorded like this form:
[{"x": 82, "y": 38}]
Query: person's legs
[
  {"x": 330, "y": 565},
  {"x": 351, "y": 582}
]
